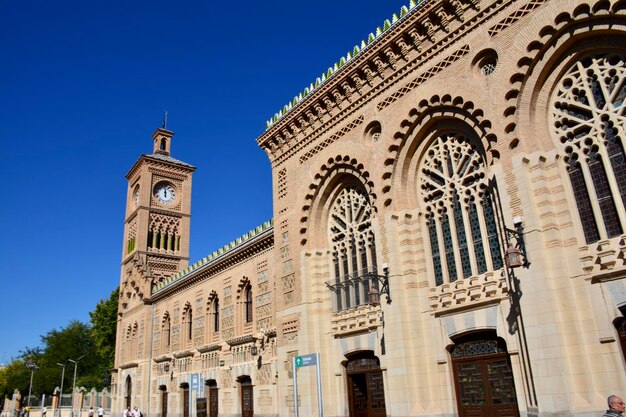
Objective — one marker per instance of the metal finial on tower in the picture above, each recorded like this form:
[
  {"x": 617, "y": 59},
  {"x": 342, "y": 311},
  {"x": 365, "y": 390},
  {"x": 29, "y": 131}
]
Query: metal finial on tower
[{"x": 165, "y": 120}]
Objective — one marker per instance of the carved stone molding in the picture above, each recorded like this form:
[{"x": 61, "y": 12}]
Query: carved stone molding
[
  {"x": 465, "y": 292},
  {"x": 356, "y": 320}
]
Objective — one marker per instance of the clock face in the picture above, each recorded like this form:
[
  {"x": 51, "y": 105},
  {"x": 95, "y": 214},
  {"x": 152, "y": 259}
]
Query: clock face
[{"x": 164, "y": 192}]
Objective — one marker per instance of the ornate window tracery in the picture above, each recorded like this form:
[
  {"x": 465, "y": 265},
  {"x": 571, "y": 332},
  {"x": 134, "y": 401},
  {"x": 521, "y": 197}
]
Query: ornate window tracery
[
  {"x": 589, "y": 121},
  {"x": 353, "y": 247},
  {"x": 460, "y": 218}
]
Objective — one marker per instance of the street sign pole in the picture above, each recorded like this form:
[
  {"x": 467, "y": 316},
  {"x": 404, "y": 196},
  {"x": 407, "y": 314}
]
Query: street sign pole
[
  {"x": 300, "y": 362},
  {"x": 295, "y": 388},
  {"x": 319, "y": 386}
]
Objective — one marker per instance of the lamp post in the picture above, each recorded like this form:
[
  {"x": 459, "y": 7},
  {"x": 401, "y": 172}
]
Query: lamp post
[
  {"x": 62, "y": 379},
  {"x": 32, "y": 367},
  {"x": 75, "y": 362}
]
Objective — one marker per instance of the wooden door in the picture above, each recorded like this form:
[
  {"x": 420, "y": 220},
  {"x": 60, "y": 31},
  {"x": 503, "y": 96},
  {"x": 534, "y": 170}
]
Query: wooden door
[
  {"x": 366, "y": 388},
  {"x": 186, "y": 402},
  {"x": 247, "y": 400},
  {"x": 164, "y": 404},
  {"x": 484, "y": 381},
  {"x": 213, "y": 408}
]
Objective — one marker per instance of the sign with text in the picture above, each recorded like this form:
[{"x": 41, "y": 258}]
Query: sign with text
[
  {"x": 306, "y": 360},
  {"x": 312, "y": 359}
]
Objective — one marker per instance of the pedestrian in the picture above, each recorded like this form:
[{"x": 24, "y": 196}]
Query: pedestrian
[
  {"x": 100, "y": 411},
  {"x": 43, "y": 412},
  {"x": 136, "y": 412},
  {"x": 91, "y": 412},
  {"x": 127, "y": 412},
  {"x": 616, "y": 406}
]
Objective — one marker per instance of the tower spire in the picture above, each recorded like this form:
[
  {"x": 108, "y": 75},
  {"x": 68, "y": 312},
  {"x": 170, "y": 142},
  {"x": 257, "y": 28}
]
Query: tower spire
[{"x": 164, "y": 126}]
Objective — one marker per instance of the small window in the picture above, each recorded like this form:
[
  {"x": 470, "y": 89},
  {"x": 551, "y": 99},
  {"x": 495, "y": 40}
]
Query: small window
[
  {"x": 486, "y": 62},
  {"x": 373, "y": 132},
  {"x": 248, "y": 304},
  {"x": 216, "y": 315}
]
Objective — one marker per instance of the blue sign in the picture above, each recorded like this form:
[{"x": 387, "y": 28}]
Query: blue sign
[{"x": 197, "y": 384}]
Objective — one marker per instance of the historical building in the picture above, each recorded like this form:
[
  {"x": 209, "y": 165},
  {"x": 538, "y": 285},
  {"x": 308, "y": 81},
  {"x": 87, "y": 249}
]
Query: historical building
[{"x": 449, "y": 233}]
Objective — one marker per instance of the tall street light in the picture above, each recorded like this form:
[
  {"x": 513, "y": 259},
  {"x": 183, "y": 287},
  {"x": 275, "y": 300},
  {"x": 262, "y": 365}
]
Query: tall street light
[
  {"x": 61, "y": 393},
  {"x": 75, "y": 362},
  {"x": 32, "y": 367}
]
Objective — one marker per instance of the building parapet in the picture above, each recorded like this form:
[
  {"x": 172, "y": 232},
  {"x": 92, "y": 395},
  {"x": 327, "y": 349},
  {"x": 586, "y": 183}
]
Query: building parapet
[
  {"x": 213, "y": 257},
  {"x": 372, "y": 38}
]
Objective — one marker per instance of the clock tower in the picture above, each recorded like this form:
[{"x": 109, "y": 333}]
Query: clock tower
[{"x": 156, "y": 226}]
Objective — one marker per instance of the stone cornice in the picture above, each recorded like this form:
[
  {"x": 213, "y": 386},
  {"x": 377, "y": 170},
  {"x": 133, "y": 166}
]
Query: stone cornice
[
  {"x": 163, "y": 358},
  {"x": 248, "y": 338},
  {"x": 355, "y": 53},
  {"x": 178, "y": 166},
  {"x": 209, "y": 348},
  {"x": 218, "y": 261},
  {"x": 182, "y": 354},
  {"x": 129, "y": 365},
  {"x": 412, "y": 42}
]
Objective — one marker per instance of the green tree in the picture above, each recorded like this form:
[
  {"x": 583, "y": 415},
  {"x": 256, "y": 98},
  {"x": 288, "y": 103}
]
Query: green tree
[
  {"x": 93, "y": 344},
  {"x": 73, "y": 341},
  {"x": 103, "y": 327},
  {"x": 14, "y": 376}
]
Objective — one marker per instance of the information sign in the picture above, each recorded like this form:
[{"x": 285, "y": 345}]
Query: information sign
[{"x": 306, "y": 360}]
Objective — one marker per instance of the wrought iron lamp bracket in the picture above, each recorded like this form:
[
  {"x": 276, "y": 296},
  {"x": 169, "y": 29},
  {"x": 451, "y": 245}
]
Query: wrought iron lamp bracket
[{"x": 516, "y": 234}]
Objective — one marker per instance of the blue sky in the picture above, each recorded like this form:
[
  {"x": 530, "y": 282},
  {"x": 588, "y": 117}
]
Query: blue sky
[{"x": 83, "y": 85}]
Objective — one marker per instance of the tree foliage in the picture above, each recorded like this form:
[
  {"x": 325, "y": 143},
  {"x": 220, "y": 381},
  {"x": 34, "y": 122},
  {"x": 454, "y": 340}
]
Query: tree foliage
[
  {"x": 104, "y": 320},
  {"x": 91, "y": 345}
]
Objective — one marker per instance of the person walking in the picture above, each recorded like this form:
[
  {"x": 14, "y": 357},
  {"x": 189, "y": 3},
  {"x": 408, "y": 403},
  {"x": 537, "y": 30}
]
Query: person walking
[
  {"x": 616, "y": 406},
  {"x": 100, "y": 411}
]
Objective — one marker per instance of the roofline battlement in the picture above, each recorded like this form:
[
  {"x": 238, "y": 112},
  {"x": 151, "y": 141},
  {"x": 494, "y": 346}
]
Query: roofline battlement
[
  {"x": 358, "y": 49},
  {"x": 427, "y": 27},
  {"x": 214, "y": 256}
]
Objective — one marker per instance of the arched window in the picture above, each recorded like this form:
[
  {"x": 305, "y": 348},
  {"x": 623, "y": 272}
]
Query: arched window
[
  {"x": 248, "y": 304},
  {"x": 460, "y": 217},
  {"x": 589, "y": 123},
  {"x": 166, "y": 333},
  {"x": 163, "y": 144},
  {"x": 353, "y": 247},
  {"x": 216, "y": 315},
  {"x": 188, "y": 323}
]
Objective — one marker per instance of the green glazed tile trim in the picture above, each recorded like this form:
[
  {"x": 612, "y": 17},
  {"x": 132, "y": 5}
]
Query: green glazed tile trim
[
  {"x": 221, "y": 251},
  {"x": 372, "y": 37}
]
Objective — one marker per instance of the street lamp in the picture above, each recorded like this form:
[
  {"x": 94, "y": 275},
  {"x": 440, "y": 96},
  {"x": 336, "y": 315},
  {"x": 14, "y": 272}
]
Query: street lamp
[
  {"x": 61, "y": 393},
  {"x": 32, "y": 367},
  {"x": 75, "y": 362}
]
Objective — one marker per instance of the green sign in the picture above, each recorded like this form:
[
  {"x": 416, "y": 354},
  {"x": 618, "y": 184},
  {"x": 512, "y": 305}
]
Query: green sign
[{"x": 306, "y": 360}]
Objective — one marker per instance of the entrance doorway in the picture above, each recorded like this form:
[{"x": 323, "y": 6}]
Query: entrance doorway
[
  {"x": 366, "y": 390},
  {"x": 210, "y": 391},
  {"x": 163, "y": 389},
  {"x": 483, "y": 377},
  {"x": 185, "y": 393},
  {"x": 247, "y": 396},
  {"x": 129, "y": 392}
]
